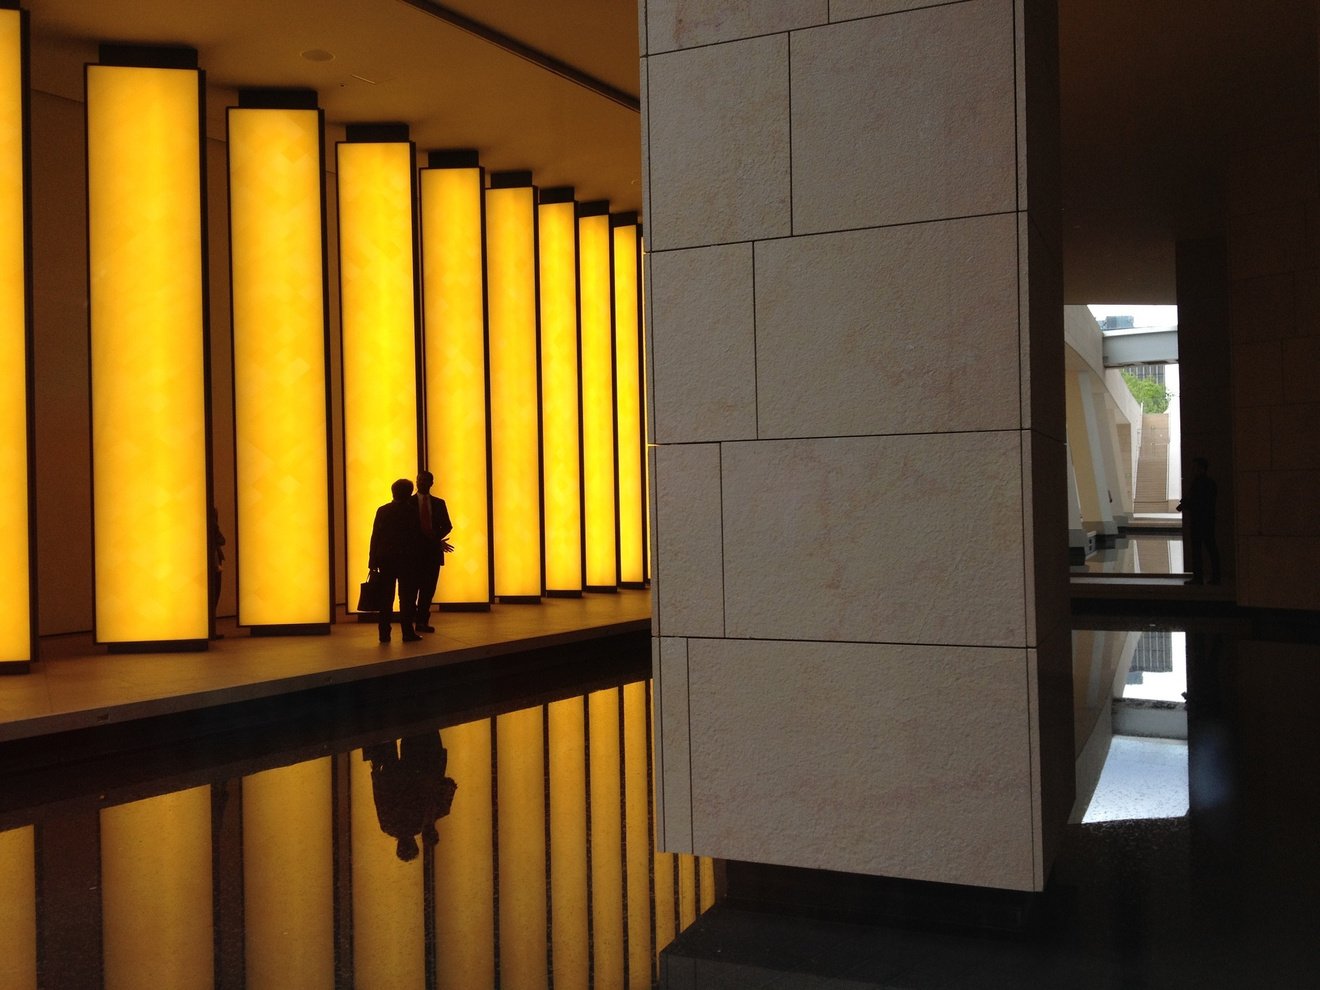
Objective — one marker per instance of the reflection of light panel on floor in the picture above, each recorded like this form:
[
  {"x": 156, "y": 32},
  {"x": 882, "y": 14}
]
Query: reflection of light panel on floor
[
  {"x": 520, "y": 776},
  {"x": 1142, "y": 778},
  {"x": 454, "y": 355},
  {"x": 277, "y": 266},
  {"x": 16, "y": 633},
  {"x": 377, "y": 325},
  {"x": 569, "y": 882},
  {"x": 145, "y": 255},
  {"x": 18, "y": 909},
  {"x": 288, "y": 877},
  {"x": 156, "y": 892}
]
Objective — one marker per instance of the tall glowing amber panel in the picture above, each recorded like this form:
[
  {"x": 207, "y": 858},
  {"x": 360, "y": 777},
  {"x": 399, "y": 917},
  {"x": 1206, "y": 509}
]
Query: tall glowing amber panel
[
  {"x": 379, "y": 350},
  {"x": 454, "y": 338},
  {"x": 156, "y": 892},
  {"x": 15, "y": 589},
  {"x": 514, "y": 391},
  {"x": 280, "y": 422},
  {"x": 560, "y": 422},
  {"x": 600, "y": 520},
  {"x": 628, "y": 404},
  {"x": 149, "y": 470}
]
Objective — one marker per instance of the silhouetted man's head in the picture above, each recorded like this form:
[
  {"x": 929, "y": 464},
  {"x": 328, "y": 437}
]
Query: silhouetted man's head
[
  {"x": 425, "y": 479},
  {"x": 1200, "y": 465},
  {"x": 401, "y": 489}
]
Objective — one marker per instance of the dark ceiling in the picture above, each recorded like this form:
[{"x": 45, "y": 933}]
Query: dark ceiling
[{"x": 1155, "y": 96}]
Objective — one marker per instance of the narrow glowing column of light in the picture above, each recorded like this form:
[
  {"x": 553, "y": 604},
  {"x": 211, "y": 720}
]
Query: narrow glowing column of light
[
  {"x": 606, "y": 782},
  {"x": 454, "y": 342},
  {"x": 18, "y": 909},
  {"x": 515, "y": 420},
  {"x": 465, "y": 864},
  {"x": 378, "y": 325},
  {"x": 637, "y": 832},
  {"x": 388, "y": 911},
  {"x": 288, "y": 877},
  {"x": 568, "y": 844},
  {"x": 156, "y": 892},
  {"x": 560, "y": 413},
  {"x": 148, "y": 335},
  {"x": 17, "y": 628},
  {"x": 706, "y": 881},
  {"x": 277, "y": 266},
  {"x": 631, "y": 437},
  {"x": 520, "y": 776},
  {"x": 599, "y": 487}
]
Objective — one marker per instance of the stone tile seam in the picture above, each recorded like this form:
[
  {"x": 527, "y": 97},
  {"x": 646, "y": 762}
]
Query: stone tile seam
[
  {"x": 856, "y": 642},
  {"x": 692, "y": 811},
  {"x": 847, "y": 436},
  {"x": 828, "y": 23},
  {"x": 798, "y": 235},
  {"x": 724, "y": 590},
  {"x": 1037, "y": 836}
]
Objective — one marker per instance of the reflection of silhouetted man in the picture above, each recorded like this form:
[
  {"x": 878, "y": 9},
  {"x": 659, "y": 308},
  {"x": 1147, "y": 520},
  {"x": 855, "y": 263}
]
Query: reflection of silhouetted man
[
  {"x": 410, "y": 788},
  {"x": 1198, "y": 509},
  {"x": 433, "y": 517},
  {"x": 395, "y": 551},
  {"x": 215, "y": 541}
]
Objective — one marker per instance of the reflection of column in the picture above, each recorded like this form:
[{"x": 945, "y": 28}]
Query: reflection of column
[
  {"x": 568, "y": 843},
  {"x": 17, "y": 580},
  {"x": 1107, "y": 412},
  {"x": 147, "y": 297},
  {"x": 561, "y": 442},
  {"x": 705, "y": 884},
  {"x": 627, "y": 254},
  {"x": 1076, "y": 532},
  {"x": 454, "y": 341},
  {"x": 377, "y": 325},
  {"x": 156, "y": 892},
  {"x": 606, "y": 836},
  {"x": 666, "y": 900},
  {"x": 599, "y": 491},
  {"x": 288, "y": 895},
  {"x": 388, "y": 940},
  {"x": 281, "y": 359},
  {"x": 1103, "y": 521},
  {"x": 637, "y": 833},
  {"x": 520, "y": 772},
  {"x": 687, "y": 890},
  {"x": 465, "y": 865},
  {"x": 515, "y": 386},
  {"x": 18, "y": 910}
]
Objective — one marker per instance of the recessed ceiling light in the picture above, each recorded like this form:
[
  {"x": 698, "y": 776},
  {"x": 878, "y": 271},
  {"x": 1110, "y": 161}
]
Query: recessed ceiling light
[{"x": 318, "y": 55}]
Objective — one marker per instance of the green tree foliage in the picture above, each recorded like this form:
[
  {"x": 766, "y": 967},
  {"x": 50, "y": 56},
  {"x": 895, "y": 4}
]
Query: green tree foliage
[{"x": 1153, "y": 396}]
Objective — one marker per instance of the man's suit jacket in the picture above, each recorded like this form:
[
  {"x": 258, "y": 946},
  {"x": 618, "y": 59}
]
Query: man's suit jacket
[
  {"x": 440, "y": 525},
  {"x": 396, "y": 537}
]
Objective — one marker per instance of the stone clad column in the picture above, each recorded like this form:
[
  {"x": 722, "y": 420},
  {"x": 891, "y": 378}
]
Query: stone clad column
[{"x": 860, "y": 497}]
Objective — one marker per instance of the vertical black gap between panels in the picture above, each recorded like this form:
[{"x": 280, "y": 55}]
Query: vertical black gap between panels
[
  {"x": 495, "y": 845},
  {"x": 490, "y": 457},
  {"x": 342, "y": 852},
  {"x": 419, "y": 344},
  {"x": 29, "y": 339},
  {"x": 540, "y": 384},
  {"x": 586, "y": 786},
  {"x": 549, "y": 899},
  {"x": 623, "y": 828},
  {"x": 227, "y": 883}
]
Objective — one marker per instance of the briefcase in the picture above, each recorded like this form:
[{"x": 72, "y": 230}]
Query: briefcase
[{"x": 374, "y": 594}]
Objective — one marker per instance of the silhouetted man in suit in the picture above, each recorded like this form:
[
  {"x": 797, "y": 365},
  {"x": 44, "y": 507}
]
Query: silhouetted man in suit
[
  {"x": 433, "y": 518},
  {"x": 396, "y": 551},
  {"x": 1198, "y": 509}
]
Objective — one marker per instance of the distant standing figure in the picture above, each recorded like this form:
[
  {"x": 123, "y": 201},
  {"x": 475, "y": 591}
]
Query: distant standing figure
[
  {"x": 433, "y": 518},
  {"x": 1198, "y": 509},
  {"x": 396, "y": 539},
  {"x": 215, "y": 542}
]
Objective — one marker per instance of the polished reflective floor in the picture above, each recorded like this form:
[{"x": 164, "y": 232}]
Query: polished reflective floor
[
  {"x": 506, "y": 846},
  {"x": 1197, "y": 869}
]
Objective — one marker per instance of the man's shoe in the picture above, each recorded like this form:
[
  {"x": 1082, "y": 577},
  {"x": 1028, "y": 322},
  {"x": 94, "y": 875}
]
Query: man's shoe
[
  {"x": 384, "y": 637},
  {"x": 425, "y": 628},
  {"x": 411, "y": 638}
]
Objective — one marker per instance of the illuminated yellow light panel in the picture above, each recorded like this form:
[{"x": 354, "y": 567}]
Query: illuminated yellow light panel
[
  {"x": 147, "y": 331},
  {"x": 628, "y": 400},
  {"x": 279, "y": 366},
  {"x": 15, "y": 592},
  {"x": 560, "y": 422},
  {"x": 514, "y": 412},
  {"x": 599, "y": 489},
  {"x": 454, "y": 317},
  {"x": 379, "y": 349}
]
